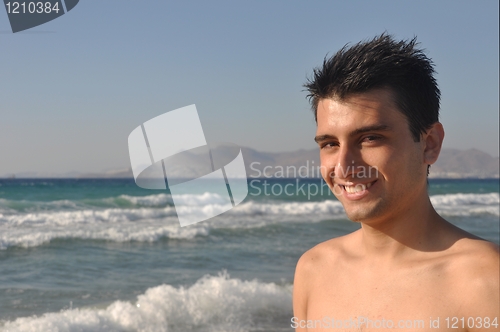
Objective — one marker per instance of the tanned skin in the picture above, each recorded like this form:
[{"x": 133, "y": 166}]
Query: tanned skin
[{"x": 405, "y": 262}]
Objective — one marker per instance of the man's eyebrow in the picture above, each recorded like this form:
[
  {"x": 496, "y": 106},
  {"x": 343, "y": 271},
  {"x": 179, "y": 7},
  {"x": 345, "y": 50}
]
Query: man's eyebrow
[
  {"x": 321, "y": 138},
  {"x": 366, "y": 129},
  {"x": 362, "y": 130}
]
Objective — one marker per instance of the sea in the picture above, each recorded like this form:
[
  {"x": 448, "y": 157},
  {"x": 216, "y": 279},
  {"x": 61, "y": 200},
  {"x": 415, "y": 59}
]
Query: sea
[{"x": 106, "y": 255}]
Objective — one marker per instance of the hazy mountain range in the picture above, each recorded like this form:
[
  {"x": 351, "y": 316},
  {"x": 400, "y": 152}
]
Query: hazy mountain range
[{"x": 452, "y": 163}]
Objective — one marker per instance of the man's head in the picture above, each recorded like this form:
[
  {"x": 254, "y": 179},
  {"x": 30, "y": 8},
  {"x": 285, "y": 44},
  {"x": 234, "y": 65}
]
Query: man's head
[
  {"x": 382, "y": 63},
  {"x": 376, "y": 106}
]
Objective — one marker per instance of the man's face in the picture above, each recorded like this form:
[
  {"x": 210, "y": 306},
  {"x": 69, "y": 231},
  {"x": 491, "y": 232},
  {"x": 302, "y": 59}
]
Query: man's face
[{"x": 368, "y": 156}]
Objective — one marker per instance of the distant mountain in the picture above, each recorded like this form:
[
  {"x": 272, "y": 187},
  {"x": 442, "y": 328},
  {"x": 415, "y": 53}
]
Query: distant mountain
[
  {"x": 472, "y": 163},
  {"x": 452, "y": 163}
]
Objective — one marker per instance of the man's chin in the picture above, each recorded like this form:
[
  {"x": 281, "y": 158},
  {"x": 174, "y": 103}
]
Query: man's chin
[
  {"x": 363, "y": 211},
  {"x": 361, "y": 214},
  {"x": 356, "y": 217}
]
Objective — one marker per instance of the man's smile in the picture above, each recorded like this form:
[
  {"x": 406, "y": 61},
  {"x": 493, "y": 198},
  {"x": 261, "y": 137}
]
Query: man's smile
[{"x": 355, "y": 191}]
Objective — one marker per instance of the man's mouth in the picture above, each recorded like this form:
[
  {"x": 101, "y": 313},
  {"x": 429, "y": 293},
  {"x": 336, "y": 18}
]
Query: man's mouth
[{"x": 355, "y": 188}]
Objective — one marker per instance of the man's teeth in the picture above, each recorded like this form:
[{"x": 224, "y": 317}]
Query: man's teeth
[{"x": 357, "y": 188}]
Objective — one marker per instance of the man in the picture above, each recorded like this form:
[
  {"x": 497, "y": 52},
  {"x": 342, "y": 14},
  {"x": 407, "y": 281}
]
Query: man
[{"x": 376, "y": 106}]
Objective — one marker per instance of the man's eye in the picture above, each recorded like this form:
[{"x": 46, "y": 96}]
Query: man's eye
[
  {"x": 329, "y": 145},
  {"x": 371, "y": 138}
]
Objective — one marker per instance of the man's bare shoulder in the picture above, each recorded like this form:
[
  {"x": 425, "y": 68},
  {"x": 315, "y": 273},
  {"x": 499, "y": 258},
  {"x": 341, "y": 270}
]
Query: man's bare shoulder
[
  {"x": 313, "y": 266},
  {"x": 475, "y": 256},
  {"x": 326, "y": 253},
  {"x": 466, "y": 252},
  {"x": 474, "y": 271}
]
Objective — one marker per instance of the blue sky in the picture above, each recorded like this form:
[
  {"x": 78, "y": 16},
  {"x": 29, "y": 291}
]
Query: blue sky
[{"x": 73, "y": 89}]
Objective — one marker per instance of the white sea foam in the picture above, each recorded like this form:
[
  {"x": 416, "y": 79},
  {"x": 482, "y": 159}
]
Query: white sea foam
[
  {"x": 28, "y": 229},
  {"x": 467, "y": 204},
  {"x": 187, "y": 199},
  {"x": 332, "y": 208},
  {"x": 213, "y": 303},
  {"x": 150, "y": 200},
  {"x": 150, "y": 224}
]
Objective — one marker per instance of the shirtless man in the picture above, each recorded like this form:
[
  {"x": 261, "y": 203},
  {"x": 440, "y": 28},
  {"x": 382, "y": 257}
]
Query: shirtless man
[{"x": 406, "y": 269}]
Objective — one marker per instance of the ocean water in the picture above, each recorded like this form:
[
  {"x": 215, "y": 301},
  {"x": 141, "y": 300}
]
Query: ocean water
[{"x": 105, "y": 255}]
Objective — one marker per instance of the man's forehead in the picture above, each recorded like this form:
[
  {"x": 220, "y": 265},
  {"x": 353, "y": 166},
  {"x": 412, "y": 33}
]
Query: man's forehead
[
  {"x": 378, "y": 103},
  {"x": 374, "y": 98}
]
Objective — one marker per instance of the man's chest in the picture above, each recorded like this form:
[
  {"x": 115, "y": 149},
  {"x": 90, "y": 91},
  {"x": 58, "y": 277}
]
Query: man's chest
[{"x": 402, "y": 302}]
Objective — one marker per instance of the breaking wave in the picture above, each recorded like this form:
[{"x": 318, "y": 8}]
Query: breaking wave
[
  {"x": 213, "y": 303},
  {"x": 150, "y": 218}
]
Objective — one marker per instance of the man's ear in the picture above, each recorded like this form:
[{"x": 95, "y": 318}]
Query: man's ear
[{"x": 433, "y": 140}]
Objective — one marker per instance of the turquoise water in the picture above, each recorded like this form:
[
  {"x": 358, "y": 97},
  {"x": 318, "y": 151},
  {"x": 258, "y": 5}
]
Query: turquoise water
[{"x": 105, "y": 255}]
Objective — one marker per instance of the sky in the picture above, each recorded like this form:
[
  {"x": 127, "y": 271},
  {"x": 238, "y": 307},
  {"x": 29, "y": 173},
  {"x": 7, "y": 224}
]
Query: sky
[{"x": 73, "y": 89}]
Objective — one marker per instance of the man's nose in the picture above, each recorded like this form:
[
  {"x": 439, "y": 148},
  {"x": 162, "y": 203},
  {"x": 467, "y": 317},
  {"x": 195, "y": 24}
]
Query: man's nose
[{"x": 347, "y": 160}]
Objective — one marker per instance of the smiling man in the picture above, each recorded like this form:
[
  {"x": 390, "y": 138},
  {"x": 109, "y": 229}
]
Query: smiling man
[{"x": 377, "y": 108}]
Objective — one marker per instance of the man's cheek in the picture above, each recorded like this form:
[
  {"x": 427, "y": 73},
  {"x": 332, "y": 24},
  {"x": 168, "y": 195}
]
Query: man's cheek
[{"x": 327, "y": 172}]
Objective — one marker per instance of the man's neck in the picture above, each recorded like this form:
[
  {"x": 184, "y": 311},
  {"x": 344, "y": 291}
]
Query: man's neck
[{"x": 417, "y": 229}]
